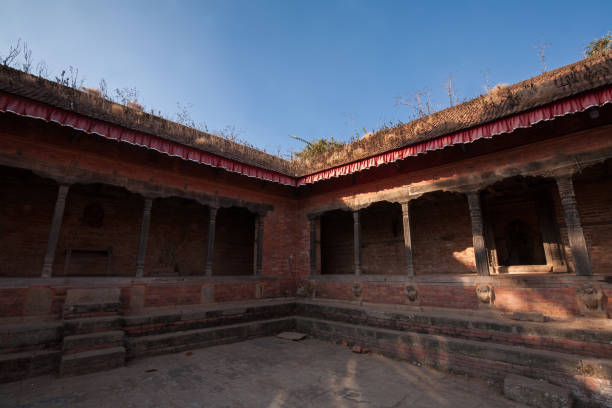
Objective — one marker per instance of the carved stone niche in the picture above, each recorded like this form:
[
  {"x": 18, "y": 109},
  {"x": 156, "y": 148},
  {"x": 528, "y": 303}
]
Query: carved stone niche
[
  {"x": 357, "y": 289},
  {"x": 485, "y": 295},
  {"x": 592, "y": 302},
  {"x": 411, "y": 293}
]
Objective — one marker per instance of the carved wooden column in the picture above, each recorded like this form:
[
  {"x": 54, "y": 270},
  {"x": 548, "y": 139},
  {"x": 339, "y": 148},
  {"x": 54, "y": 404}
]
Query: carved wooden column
[
  {"x": 482, "y": 266},
  {"x": 260, "y": 238},
  {"x": 357, "y": 242},
  {"x": 144, "y": 236},
  {"x": 56, "y": 224},
  {"x": 212, "y": 220},
  {"x": 313, "y": 245},
  {"x": 582, "y": 263},
  {"x": 407, "y": 238}
]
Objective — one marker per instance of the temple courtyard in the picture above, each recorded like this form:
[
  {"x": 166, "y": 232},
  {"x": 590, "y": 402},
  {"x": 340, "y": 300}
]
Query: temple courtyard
[{"x": 264, "y": 372}]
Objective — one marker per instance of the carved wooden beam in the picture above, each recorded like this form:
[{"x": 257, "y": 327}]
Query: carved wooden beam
[
  {"x": 357, "y": 242},
  {"x": 482, "y": 266},
  {"x": 144, "y": 236},
  {"x": 54, "y": 232},
  {"x": 407, "y": 238},
  {"x": 582, "y": 263},
  {"x": 212, "y": 220}
]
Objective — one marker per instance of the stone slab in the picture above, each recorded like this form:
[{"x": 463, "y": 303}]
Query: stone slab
[{"x": 293, "y": 336}]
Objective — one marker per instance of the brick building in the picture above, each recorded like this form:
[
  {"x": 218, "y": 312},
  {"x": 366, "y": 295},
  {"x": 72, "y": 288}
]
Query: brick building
[{"x": 477, "y": 239}]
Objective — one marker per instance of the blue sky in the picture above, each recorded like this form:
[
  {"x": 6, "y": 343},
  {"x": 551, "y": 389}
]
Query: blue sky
[{"x": 307, "y": 68}]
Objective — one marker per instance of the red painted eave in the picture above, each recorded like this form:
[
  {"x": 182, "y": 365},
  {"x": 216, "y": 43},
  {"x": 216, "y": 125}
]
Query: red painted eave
[{"x": 26, "y": 107}]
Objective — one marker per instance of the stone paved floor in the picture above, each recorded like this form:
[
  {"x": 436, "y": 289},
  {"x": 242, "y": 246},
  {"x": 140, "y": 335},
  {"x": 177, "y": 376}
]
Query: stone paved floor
[{"x": 265, "y": 372}]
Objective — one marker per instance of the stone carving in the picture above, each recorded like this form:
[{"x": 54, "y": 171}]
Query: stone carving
[
  {"x": 485, "y": 294},
  {"x": 357, "y": 289},
  {"x": 592, "y": 301},
  {"x": 411, "y": 293}
]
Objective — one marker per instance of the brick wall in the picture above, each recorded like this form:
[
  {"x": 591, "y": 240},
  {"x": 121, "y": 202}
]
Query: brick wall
[
  {"x": 337, "y": 256},
  {"x": 442, "y": 235},
  {"x": 26, "y": 206},
  {"x": 234, "y": 242},
  {"x": 178, "y": 238},
  {"x": 382, "y": 239}
]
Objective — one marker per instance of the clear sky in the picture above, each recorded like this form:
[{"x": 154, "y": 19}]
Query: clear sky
[{"x": 274, "y": 68}]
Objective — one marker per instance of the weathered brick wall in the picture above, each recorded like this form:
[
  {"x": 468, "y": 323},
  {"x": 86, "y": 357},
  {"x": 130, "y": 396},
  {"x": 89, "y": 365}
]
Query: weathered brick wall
[
  {"x": 26, "y": 206},
  {"x": 442, "y": 235},
  {"x": 337, "y": 243},
  {"x": 594, "y": 199},
  {"x": 116, "y": 228},
  {"x": 234, "y": 242},
  {"x": 382, "y": 239},
  {"x": 178, "y": 238}
]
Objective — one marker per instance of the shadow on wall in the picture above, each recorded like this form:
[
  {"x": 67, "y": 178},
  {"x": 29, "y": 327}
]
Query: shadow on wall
[{"x": 442, "y": 235}]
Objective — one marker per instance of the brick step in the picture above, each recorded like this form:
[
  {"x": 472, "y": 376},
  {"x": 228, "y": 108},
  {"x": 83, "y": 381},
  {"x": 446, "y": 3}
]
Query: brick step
[
  {"x": 200, "y": 318},
  {"x": 564, "y": 337},
  {"x": 19, "y": 337},
  {"x": 92, "y": 361},
  {"x": 82, "y": 342},
  {"x": 92, "y": 325},
  {"x": 17, "y": 366},
  {"x": 199, "y": 338},
  {"x": 589, "y": 379},
  {"x": 84, "y": 310}
]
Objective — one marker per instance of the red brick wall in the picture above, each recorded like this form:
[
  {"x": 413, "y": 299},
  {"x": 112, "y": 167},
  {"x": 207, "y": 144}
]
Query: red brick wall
[
  {"x": 119, "y": 230},
  {"x": 26, "y": 206},
  {"x": 594, "y": 198},
  {"x": 382, "y": 239},
  {"x": 234, "y": 242},
  {"x": 178, "y": 238},
  {"x": 442, "y": 235},
  {"x": 337, "y": 255}
]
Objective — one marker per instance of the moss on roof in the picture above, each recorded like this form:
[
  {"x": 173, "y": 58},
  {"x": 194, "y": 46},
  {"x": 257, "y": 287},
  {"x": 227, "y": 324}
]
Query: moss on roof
[{"x": 502, "y": 101}]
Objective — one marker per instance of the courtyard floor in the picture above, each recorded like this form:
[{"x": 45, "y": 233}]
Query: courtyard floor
[{"x": 265, "y": 372}]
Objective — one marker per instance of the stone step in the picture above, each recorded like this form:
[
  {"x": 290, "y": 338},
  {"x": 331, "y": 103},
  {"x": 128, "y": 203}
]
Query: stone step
[
  {"x": 83, "y": 310},
  {"x": 199, "y": 338},
  {"x": 565, "y": 337},
  {"x": 92, "y": 325},
  {"x": 83, "y": 342},
  {"x": 17, "y": 366},
  {"x": 29, "y": 336},
  {"x": 540, "y": 394},
  {"x": 92, "y": 361},
  {"x": 589, "y": 379}
]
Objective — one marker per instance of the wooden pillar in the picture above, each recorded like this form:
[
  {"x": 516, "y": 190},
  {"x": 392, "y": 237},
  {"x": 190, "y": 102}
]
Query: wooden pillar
[
  {"x": 260, "y": 238},
  {"x": 407, "y": 238},
  {"x": 212, "y": 220},
  {"x": 54, "y": 232},
  {"x": 144, "y": 236},
  {"x": 578, "y": 246},
  {"x": 313, "y": 245},
  {"x": 482, "y": 266},
  {"x": 357, "y": 242}
]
